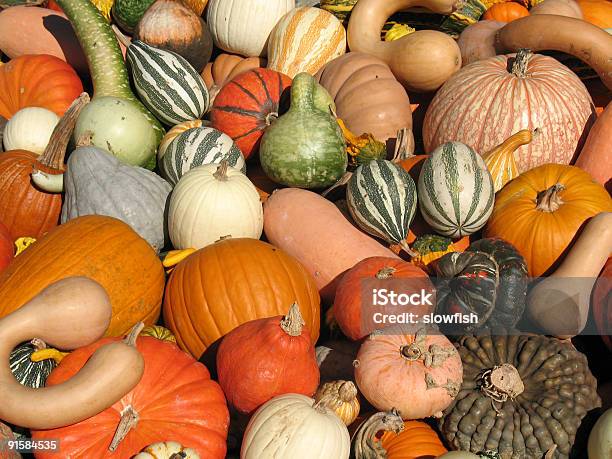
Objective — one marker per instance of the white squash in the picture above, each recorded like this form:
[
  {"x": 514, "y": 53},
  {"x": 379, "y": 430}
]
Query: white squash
[
  {"x": 292, "y": 426},
  {"x": 210, "y": 202},
  {"x": 600, "y": 438},
  {"x": 304, "y": 40},
  {"x": 243, "y": 26},
  {"x": 30, "y": 129},
  {"x": 166, "y": 450}
]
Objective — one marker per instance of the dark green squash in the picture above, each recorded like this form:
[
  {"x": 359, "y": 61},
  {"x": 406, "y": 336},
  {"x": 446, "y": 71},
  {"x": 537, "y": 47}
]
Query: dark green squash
[
  {"x": 28, "y": 373},
  {"x": 521, "y": 396}
]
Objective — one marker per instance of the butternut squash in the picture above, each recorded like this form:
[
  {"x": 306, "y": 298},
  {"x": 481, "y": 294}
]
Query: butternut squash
[
  {"x": 422, "y": 61},
  {"x": 70, "y": 313},
  {"x": 569, "y": 8},
  {"x": 560, "y": 303},
  {"x": 477, "y": 41},
  {"x": 596, "y": 155},
  {"x": 546, "y": 32},
  {"x": 314, "y": 231}
]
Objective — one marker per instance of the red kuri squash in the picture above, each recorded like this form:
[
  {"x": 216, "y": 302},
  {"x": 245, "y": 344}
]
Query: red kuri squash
[
  {"x": 596, "y": 155},
  {"x": 174, "y": 399},
  {"x": 247, "y": 105},
  {"x": 6, "y": 247}
]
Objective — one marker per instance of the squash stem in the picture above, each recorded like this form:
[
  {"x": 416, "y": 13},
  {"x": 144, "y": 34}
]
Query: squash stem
[
  {"x": 293, "y": 323},
  {"x": 130, "y": 339},
  {"x": 549, "y": 200},
  {"x": 385, "y": 273},
  {"x": 221, "y": 173},
  {"x": 401, "y": 146},
  {"x": 129, "y": 420},
  {"x": 365, "y": 443},
  {"x": 521, "y": 60}
]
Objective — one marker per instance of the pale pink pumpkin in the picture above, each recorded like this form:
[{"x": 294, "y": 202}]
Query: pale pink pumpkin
[
  {"x": 405, "y": 368},
  {"x": 487, "y": 101}
]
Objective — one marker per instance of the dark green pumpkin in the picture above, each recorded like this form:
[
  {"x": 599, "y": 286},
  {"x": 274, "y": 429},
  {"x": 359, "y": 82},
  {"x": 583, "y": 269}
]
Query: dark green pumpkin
[{"x": 28, "y": 373}]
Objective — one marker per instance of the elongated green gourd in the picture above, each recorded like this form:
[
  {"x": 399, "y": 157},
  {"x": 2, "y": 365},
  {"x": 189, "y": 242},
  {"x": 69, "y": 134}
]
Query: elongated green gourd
[{"x": 111, "y": 83}]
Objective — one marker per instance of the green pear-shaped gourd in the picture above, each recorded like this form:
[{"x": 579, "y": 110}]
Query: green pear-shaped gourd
[{"x": 305, "y": 147}]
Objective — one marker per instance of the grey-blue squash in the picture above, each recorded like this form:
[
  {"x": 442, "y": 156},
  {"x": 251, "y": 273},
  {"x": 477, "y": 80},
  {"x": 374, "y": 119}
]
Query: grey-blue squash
[{"x": 97, "y": 183}]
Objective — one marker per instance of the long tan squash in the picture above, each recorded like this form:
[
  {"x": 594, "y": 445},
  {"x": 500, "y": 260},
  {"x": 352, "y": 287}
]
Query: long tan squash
[
  {"x": 314, "y": 231},
  {"x": 422, "y": 61},
  {"x": 568, "y": 8},
  {"x": 68, "y": 314},
  {"x": 546, "y": 32},
  {"x": 560, "y": 303}
]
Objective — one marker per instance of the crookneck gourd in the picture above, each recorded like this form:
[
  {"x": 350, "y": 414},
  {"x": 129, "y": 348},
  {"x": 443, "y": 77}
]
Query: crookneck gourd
[{"x": 522, "y": 396}]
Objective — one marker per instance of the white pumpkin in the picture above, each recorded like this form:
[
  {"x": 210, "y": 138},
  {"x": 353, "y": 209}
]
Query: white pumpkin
[
  {"x": 304, "y": 40},
  {"x": 243, "y": 26},
  {"x": 165, "y": 450},
  {"x": 292, "y": 426},
  {"x": 210, "y": 202},
  {"x": 30, "y": 129},
  {"x": 600, "y": 438}
]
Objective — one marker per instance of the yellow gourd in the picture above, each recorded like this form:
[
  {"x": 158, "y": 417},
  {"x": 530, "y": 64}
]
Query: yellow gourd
[
  {"x": 341, "y": 398},
  {"x": 500, "y": 160}
]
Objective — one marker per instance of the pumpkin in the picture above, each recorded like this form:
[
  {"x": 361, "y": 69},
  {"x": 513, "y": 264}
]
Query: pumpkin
[
  {"x": 602, "y": 304},
  {"x": 452, "y": 116},
  {"x": 263, "y": 358},
  {"x": 211, "y": 202},
  {"x": 6, "y": 435},
  {"x": 172, "y": 134},
  {"x": 167, "y": 450},
  {"x": 231, "y": 282},
  {"x": 368, "y": 98},
  {"x": 37, "y": 81},
  {"x": 304, "y": 40},
  {"x": 597, "y": 12},
  {"x": 596, "y": 155},
  {"x": 175, "y": 395},
  {"x": 27, "y": 372},
  {"x": 248, "y": 104},
  {"x": 600, "y": 438},
  {"x": 6, "y": 247},
  {"x": 341, "y": 397},
  {"x": 233, "y": 29},
  {"x": 406, "y": 368},
  {"x": 505, "y": 377},
  {"x": 103, "y": 248},
  {"x": 355, "y": 308},
  {"x": 29, "y": 129},
  {"x": 69, "y": 313},
  {"x": 172, "y": 26},
  {"x": 547, "y": 206},
  {"x": 225, "y": 67},
  {"x": 294, "y": 425},
  {"x": 506, "y": 12}
]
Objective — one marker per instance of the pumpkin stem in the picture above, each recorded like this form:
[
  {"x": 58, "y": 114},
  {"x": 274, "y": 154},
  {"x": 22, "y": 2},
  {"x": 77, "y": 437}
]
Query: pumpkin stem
[
  {"x": 365, "y": 443},
  {"x": 411, "y": 351},
  {"x": 521, "y": 60},
  {"x": 129, "y": 420},
  {"x": 406, "y": 248},
  {"x": 549, "y": 200},
  {"x": 38, "y": 344},
  {"x": 500, "y": 383},
  {"x": 121, "y": 37},
  {"x": 404, "y": 145},
  {"x": 130, "y": 339},
  {"x": 293, "y": 322},
  {"x": 221, "y": 173},
  {"x": 343, "y": 181},
  {"x": 271, "y": 118},
  {"x": 385, "y": 273}
]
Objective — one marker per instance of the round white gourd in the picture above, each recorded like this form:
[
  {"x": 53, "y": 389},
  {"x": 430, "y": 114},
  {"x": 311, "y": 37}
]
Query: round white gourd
[
  {"x": 210, "y": 202},
  {"x": 600, "y": 438},
  {"x": 30, "y": 129},
  {"x": 290, "y": 426},
  {"x": 165, "y": 450}
]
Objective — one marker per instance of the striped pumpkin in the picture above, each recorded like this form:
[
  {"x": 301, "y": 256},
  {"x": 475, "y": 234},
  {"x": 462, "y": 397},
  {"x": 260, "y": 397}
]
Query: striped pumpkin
[
  {"x": 247, "y": 105},
  {"x": 304, "y": 40},
  {"x": 381, "y": 198},
  {"x": 28, "y": 373},
  {"x": 196, "y": 147},
  {"x": 456, "y": 192},
  {"x": 167, "y": 84}
]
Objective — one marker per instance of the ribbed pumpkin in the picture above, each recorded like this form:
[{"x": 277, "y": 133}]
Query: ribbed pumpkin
[
  {"x": 541, "y": 211},
  {"x": 175, "y": 398},
  {"x": 597, "y": 12},
  {"x": 486, "y": 102},
  {"x": 505, "y": 12},
  {"x": 304, "y": 40},
  {"x": 602, "y": 304},
  {"x": 247, "y": 105},
  {"x": 263, "y": 358},
  {"x": 172, "y": 134},
  {"x": 103, "y": 248},
  {"x": 353, "y": 310},
  {"x": 6, "y": 247},
  {"x": 225, "y": 67},
  {"x": 231, "y": 282},
  {"x": 37, "y": 81}
]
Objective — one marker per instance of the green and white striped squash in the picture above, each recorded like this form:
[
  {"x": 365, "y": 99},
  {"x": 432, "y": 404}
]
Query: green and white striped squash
[
  {"x": 197, "y": 147},
  {"x": 28, "y": 373},
  {"x": 167, "y": 84},
  {"x": 381, "y": 198},
  {"x": 456, "y": 192}
]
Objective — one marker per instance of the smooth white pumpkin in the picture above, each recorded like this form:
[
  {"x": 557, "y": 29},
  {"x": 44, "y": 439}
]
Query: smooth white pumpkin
[
  {"x": 304, "y": 40},
  {"x": 600, "y": 438},
  {"x": 165, "y": 450},
  {"x": 291, "y": 426},
  {"x": 29, "y": 129},
  {"x": 243, "y": 26},
  {"x": 210, "y": 202}
]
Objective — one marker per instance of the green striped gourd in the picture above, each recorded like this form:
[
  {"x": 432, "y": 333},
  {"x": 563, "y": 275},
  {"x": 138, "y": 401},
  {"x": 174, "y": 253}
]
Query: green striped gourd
[
  {"x": 456, "y": 192},
  {"x": 382, "y": 198},
  {"x": 28, "y": 373},
  {"x": 167, "y": 84},
  {"x": 196, "y": 147}
]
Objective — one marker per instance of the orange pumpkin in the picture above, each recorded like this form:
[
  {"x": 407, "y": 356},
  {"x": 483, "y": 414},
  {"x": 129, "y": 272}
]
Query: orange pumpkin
[
  {"x": 417, "y": 440},
  {"x": 602, "y": 303},
  {"x": 37, "y": 81},
  {"x": 541, "y": 211},
  {"x": 505, "y": 12},
  {"x": 6, "y": 247},
  {"x": 102, "y": 248},
  {"x": 224, "y": 68},
  {"x": 597, "y": 12},
  {"x": 233, "y": 281}
]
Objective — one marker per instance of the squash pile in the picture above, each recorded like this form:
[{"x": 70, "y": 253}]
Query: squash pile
[{"x": 269, "y": 229}]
